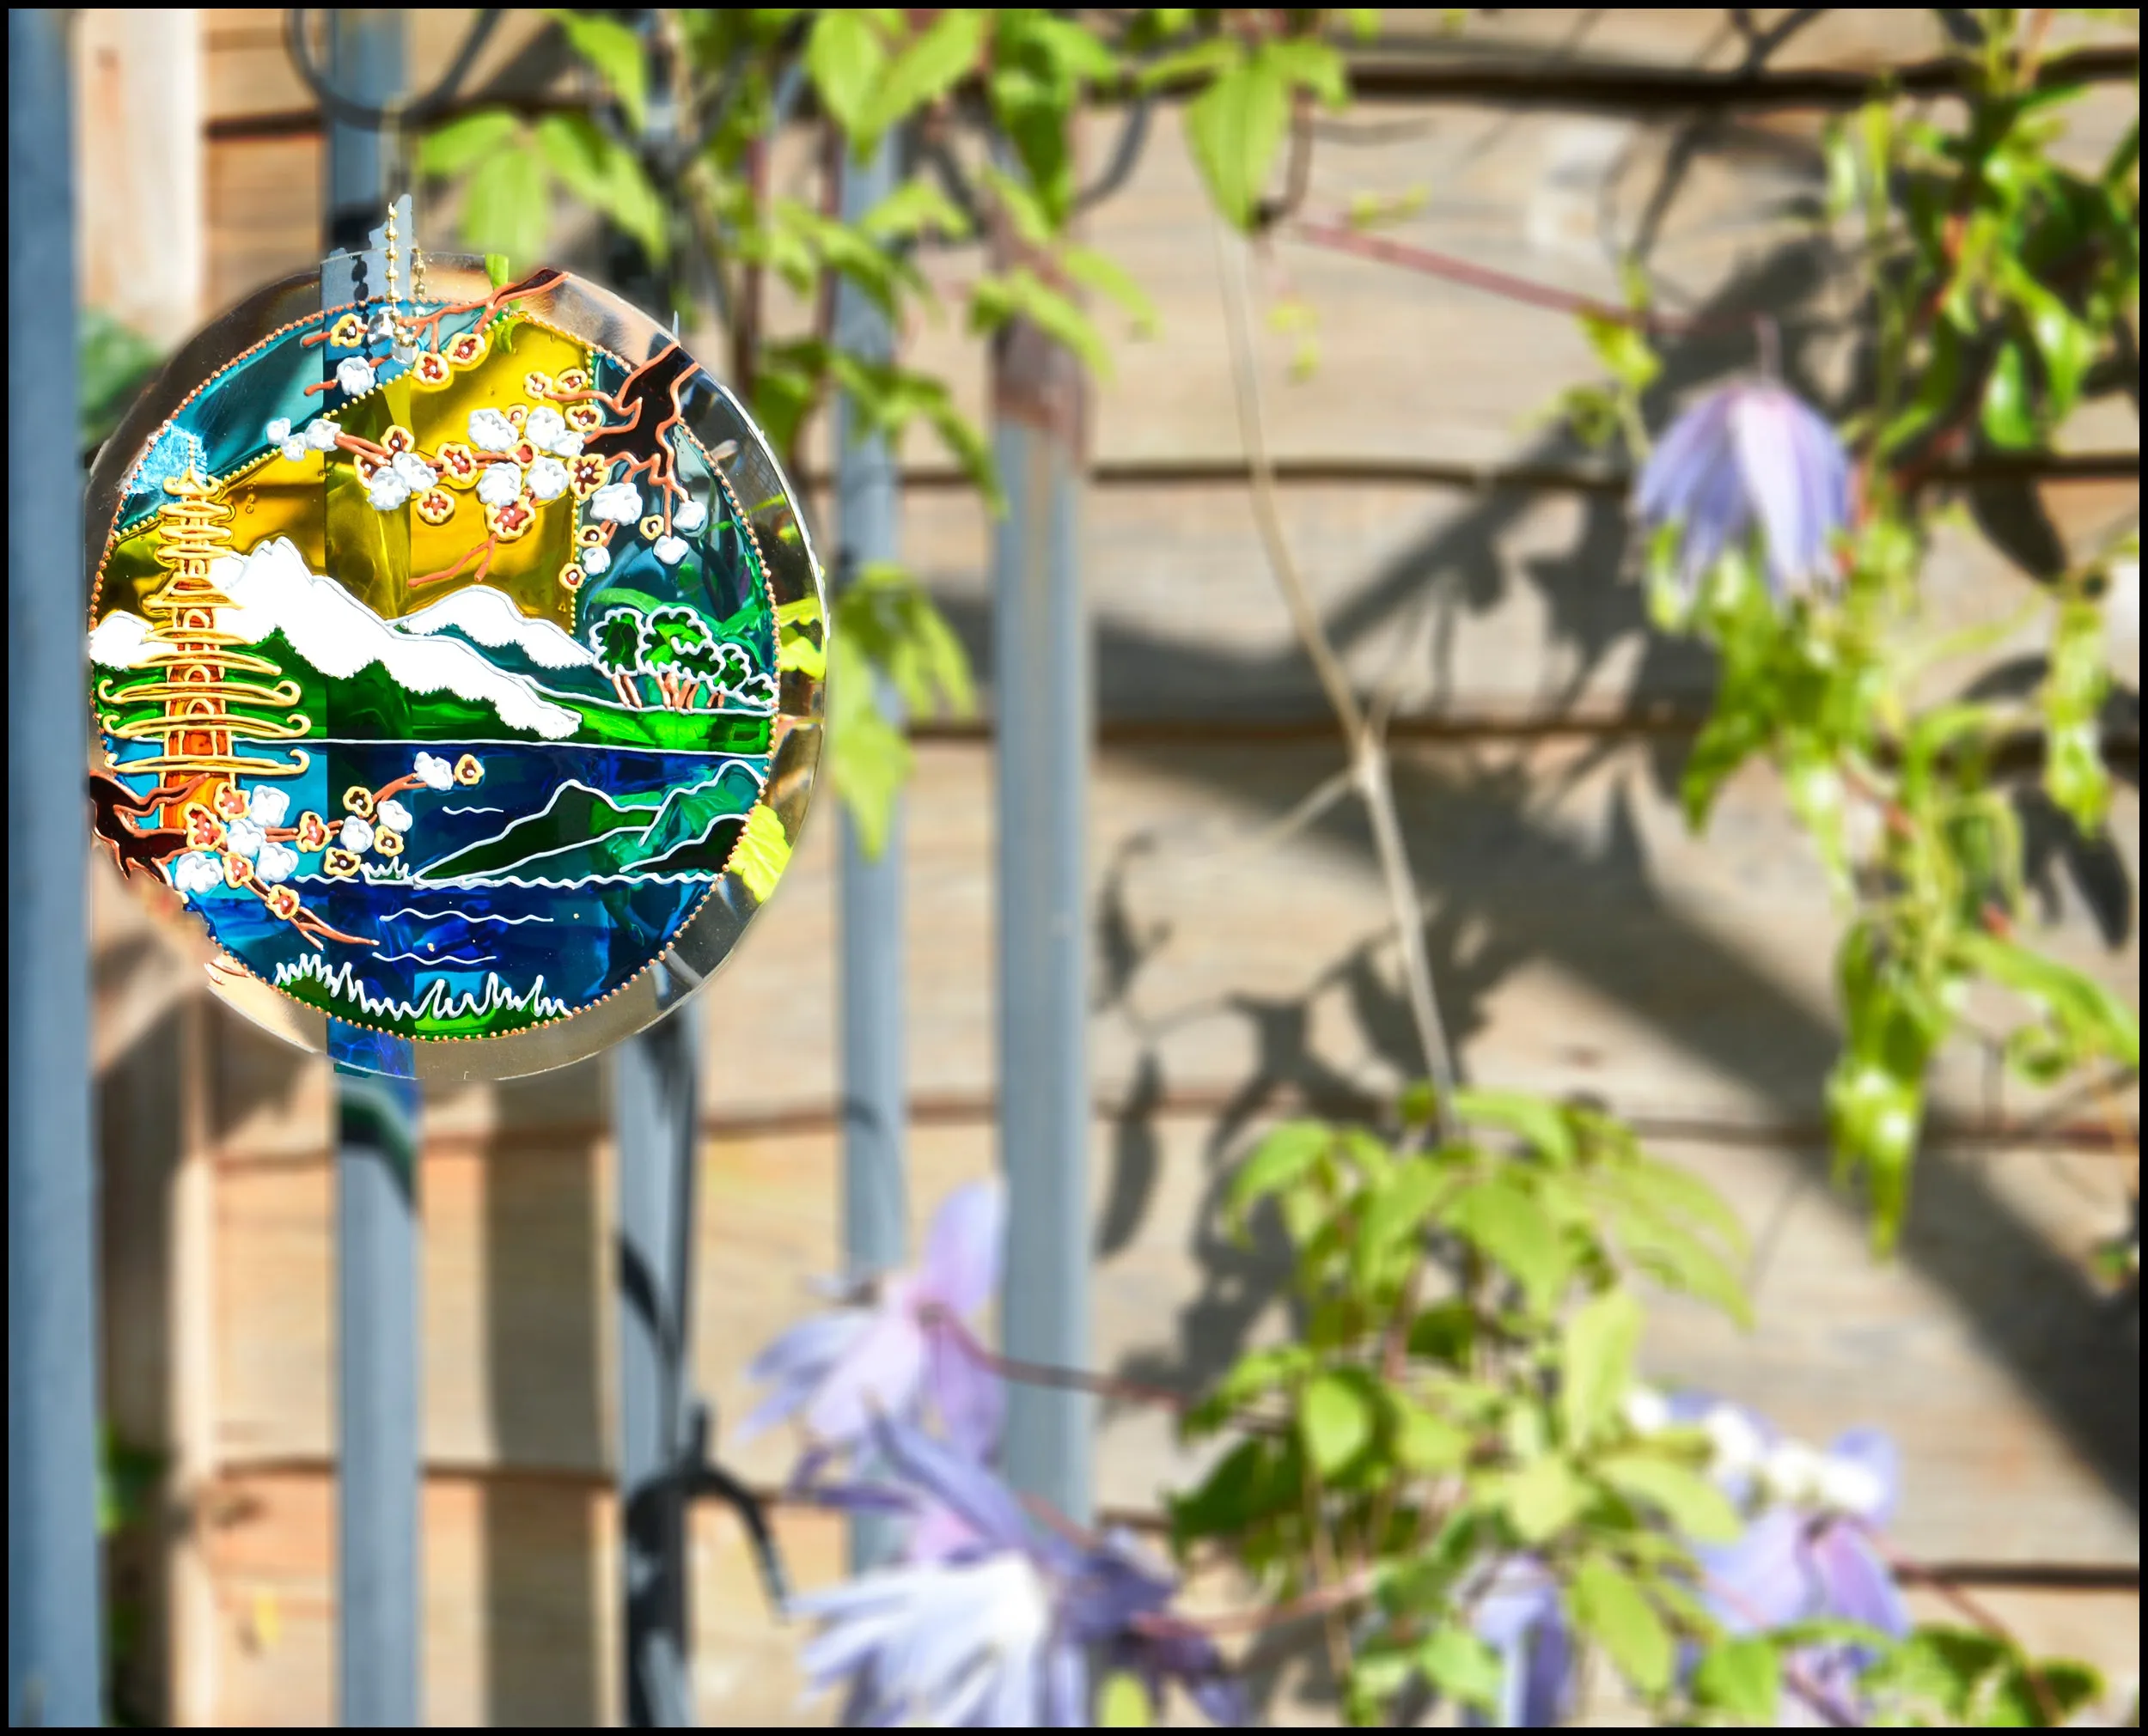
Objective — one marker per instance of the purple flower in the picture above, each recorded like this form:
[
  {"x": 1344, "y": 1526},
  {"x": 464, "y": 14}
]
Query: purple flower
[
  {"x": 1517, "y": 1613},
  {"x": 1750, "y": 453},
  {"x": 1809, "y": 1553},
  {"x": 897, "y": 1340},
  {"x": 990, "y": 1619}
]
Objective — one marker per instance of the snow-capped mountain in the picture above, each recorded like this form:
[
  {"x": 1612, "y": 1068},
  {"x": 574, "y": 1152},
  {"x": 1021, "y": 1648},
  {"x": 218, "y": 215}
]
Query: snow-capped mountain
[
  {"x": 491, "y": 618},
  {"x": 272, "y": 589}
]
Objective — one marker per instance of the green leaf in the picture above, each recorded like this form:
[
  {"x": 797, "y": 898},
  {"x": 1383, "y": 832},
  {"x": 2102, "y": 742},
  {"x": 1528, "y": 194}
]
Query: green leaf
[
  {"x": 870, "y": 758},
  {"x": 918, "y": 207},
  {"x": 1021, "y": 294},
  {"x": 1122, "y": 1703},
  {"x": 1234, "y": 128},
  {"x": 1425, "y": 1441},
  {"x": 2091, "y": 1012},
  {"x": 1309, "y": 64},
  {"x": 1685, "y": 1497},
  {"x": 1509, "y": 1227},
  {"x": 1253, "y": 1375},
  {"x": 504, "y": 204},
  {"x": 1336, "y": 1420},
  {"x": 115, "y": 363},
  {"x": 616, "y": 52},
  {"x": 1596, "y": 1363},
  {"x": 601, "y": 173},
  {"x": 1397, "y": 1210},
  {"x": 1612, "y": 1610},
  {"x": 1257, "y": 1480},
  {"x": 1540, "y": 1123},
  {"x": 2009, "y": 420},
  {"x": 1462, "y": 1668},
  {"x": 1742, "y": 1677},
  {"x": 1623, "y": 349},
  {"x": 846, "y": 61},
  {"x": 1279, "y": 1159},
  {"x": 924, "y": 71},
  {"x": 461, "y": 143},
  {"x": 495, "y": 271},
  {"x": 1543, "y": 1498},
  {"x": 762, "y": 852},
  {"x": 1874, "y": 1116},
  {"x": 1107, "y": 276}
]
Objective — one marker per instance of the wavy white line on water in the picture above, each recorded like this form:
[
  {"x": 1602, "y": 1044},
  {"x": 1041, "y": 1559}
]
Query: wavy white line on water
[
  {"x": 464, "y": 916},
  {"x": 432, "y": 959},
  {"x": 474, "y": 810}
]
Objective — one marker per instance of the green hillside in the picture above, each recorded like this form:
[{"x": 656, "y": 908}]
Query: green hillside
[{"x": 583, "y": 834}]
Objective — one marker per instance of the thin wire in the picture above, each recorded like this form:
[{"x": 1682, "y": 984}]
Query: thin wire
[{"x": 349, "y": 113}]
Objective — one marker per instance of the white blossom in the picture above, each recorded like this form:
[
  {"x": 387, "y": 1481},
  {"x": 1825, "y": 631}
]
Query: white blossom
[
  {"x": 394, "y": 815},
  {"x": 568, "y": 445},
  {"x": 354, "y": 374},
  {"x": 244, "y": 838},
  {"x": 690, "y": 517},
  {"x": 1792, "y": 1472},
  {"x": 356, "y": 836},
  {"x": 278, "y": 429},
  {"x": 414, "y": 470},
  {"x": 433, "y": 772},
  {"x": 321, "y": 434},
  {"x": 548, "y": 478},
  {"x": 619, "y": 501},
  {"x": 294, "y": 449},
  {"x": 1850, "y": 1487},
  {"x": 387, "y": 491},
  {"x": 1737, "y": 1447},
  {"x": 543, "y": 428},
  {"x": 501, "y": 483},
  {"x": 1647, "y": 1412},
  {"x": 490, "y": 431},
  {"x": 596, "y": 558},
  {"x": 266, "y": 805},
  {"x": 670, "y": 550},
  {"x": 197, "y": 871},
  {"x": 278, "y": 862}
]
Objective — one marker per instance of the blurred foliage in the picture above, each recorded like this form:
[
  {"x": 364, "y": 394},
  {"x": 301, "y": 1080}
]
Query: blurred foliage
[
  {"x": 2002, "y": 288},
  {"x": 116, "y": 363}
]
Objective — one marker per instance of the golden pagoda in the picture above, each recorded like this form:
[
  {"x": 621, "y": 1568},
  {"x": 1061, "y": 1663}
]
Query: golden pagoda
[{"x": 196, "y": 674}]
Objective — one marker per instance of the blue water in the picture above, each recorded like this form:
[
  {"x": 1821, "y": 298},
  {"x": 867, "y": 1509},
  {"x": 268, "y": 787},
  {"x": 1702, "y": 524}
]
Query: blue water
[{"x": 572, "y": 945}]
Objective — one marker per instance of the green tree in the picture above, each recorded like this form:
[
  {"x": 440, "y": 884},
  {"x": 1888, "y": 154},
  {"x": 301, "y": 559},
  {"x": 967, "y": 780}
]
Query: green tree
[{"x": 621, "y": 640}]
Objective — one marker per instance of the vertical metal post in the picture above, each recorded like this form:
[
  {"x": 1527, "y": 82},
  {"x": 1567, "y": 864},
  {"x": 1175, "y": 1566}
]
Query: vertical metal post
[
  {"x": 378, "y": 1438},
  {"x": 868, "y": 504},
  {"x": 1041, "y": 685},
  {"x": 655, "y": 1114},
  {"x": 365, "y": 63},
  {"x": 55, "y": 1669},
  {"x": 377, "y": 1431}
]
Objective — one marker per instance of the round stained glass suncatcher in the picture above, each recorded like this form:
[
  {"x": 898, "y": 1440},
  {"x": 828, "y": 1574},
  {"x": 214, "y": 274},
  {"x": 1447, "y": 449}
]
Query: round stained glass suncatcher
[{"x": 455, "y": 660}]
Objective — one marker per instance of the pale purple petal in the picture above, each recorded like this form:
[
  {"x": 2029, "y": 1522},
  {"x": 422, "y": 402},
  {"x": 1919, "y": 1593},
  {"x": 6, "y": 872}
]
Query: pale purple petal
[
  {"x": 967, "y": 1395},
  {"x": 940, "y": 1534},
  {"x": 1065, "y": 1686},
  {"x": 1017, "y": 1690},
  {"x": 962, "y": 1250},
  {"x": 809, "y": 1348},
  {"x": 880, "y": 1372},
  {"x": 1762, "y": 1580},
  {"x": 975, "y": 1494},
  {"x": 1519, "y": 1617},
  {"x": 1750, "y": 452},
  {"x": 1855, "y": 1583},
  {"x": 1875, "y": 1450},
  {"x": 798, "y": 1361}
]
